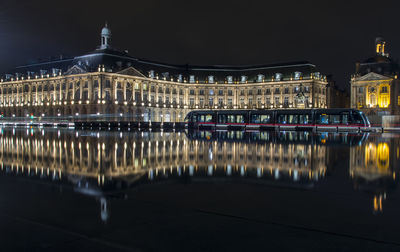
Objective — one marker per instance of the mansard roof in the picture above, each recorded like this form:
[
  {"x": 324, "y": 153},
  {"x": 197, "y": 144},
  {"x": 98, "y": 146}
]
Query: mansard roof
[
  {"x": 380, "y": 64},
  {"x": 116, "y": 61}
]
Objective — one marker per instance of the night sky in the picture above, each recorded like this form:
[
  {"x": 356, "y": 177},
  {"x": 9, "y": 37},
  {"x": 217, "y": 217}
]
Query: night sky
[{"x": 331, "y": 34}]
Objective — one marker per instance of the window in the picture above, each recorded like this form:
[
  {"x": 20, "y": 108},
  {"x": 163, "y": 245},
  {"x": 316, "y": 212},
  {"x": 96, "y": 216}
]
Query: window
[
  {"x": 220, "y": 101},
  {"x": 286, "y": 101},
  {"x": 277, "y": 100},
  {"x": 322, "y": 119},
  {"x": 260, "y": 118},
  {"x": 258, "y": 91},
  {"x": 211, "y": 79},
  {"x": 201, "y": 91},
  {"x": 277, "y": 91},
  {"x": 384, "y": 89},
  {"x": 286, "y": 90},
  {"x": 152, "y": 89},
  {"x": 297, "y": 75},
  {"x": 278, "y": 76},
  {"x": 230, "y": 93},
  {"x": 293, "y": 119},
  {"x": 260, "y": 78},
  {"x": 230, "y": 101},
  {"x": 191, "y": 102},
  {"x": 179, "y": 78},
  {"x": 205, "y": 118},
  {"x": 267, "y": 91},
  {"x": 305, "y": 119},
  {"x": 210, "y": 101},
  {"x": 201, "y": 102},
  {"x": 211, "y": 91},
  {"x": 250, "y": 92},
  {"x": 268, "y": 101},
  {"x": 243, "y": 79},
  {"x": 180, "y": 91},
  {"x": 191, "y": 92},
  {"x": 250, "y": 101},
  {"x": 229, "y": 79},
  {"x": 191, "y": 79},
  {"x": 220, "y": 92},
  {"x": 241, "y": 92}
]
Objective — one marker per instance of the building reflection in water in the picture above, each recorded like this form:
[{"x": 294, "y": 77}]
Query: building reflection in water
[
  {"x": 100, "y": 164},
  {"x": 373, "y": 167}
]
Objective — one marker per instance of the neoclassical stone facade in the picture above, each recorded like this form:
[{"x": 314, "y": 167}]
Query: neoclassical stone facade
[{"x": 112, "y": 85}]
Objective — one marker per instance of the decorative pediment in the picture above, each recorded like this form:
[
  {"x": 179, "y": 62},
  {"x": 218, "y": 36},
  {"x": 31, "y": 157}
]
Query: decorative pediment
[
  {"x": 131, "y": 71},
  {"x": 75, "y": 69},
  {"x": 372, "y": 76}
]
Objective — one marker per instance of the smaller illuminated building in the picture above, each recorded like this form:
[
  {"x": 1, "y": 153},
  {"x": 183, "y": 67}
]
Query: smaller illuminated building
[{"x": 375, "y": 84}]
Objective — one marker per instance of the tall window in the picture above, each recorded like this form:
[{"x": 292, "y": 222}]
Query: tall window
[{"x": 210, "y": 101}]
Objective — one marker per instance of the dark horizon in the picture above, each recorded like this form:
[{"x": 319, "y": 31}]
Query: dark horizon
[{"x": 333, "y": 36}]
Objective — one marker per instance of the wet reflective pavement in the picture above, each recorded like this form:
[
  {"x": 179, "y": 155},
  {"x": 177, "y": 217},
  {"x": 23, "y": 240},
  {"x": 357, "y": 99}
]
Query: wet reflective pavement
[{"x": 65, "y": 190}]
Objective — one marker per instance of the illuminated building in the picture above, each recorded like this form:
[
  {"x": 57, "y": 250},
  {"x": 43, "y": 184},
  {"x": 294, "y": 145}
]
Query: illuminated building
[
  {"x": 113, "y": 83},
  {"x": 375, "y": 85}
]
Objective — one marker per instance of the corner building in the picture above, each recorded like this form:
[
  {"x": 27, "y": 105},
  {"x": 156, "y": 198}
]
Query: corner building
[
  {"x": 375, "y": 85},
  {"x": 110, "y": 84}
]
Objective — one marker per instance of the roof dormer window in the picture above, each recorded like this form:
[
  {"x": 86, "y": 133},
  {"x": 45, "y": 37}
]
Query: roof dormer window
[
  {"x": 278, "y": 76},
  {"x": 260, "y": 78},
  {"x": 243, "y": 79},
  {"x": 229, "y": 79},
  {"x": 210, "y": 79},
  {"x": 179, "y": 78},
  {"x": 165, "y": 75},
  {"x": 297, "y": 75},
  {"x": 151, "y": 74},
  {"x": 191, "y": 79}
]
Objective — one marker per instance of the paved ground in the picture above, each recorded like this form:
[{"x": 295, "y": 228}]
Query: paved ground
[{"x": 199, "y": 216}]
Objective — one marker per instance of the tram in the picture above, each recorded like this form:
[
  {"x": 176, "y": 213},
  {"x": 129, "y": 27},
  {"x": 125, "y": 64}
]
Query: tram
[{"x": 293, "y": 119}]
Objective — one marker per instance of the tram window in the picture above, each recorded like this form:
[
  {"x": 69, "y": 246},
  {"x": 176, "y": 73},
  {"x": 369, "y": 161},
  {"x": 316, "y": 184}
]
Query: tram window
[
  {"x": 304, "y": 119},
  {"x": 334, "y": 119},
  {"x": 357, "y": 118},
  {"x": 345, "y": 118},
  {"x": 260, "y": 118},
  {"x": 323, "y": 119},
  {"x": 205, "y": 118},
  {"x": 293, "y": 119},
  {"x": 265, "y": 118},
  {"x": 239, "y": 118},
  {"x": 282, "y": 119},
  {"x": 231, "y": 119},
  {"x": 222, "y": 118},
  {"x": 255, "y": 119}
]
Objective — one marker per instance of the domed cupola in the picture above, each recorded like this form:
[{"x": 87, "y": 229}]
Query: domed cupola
[{"x": 105, "y": 37}]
